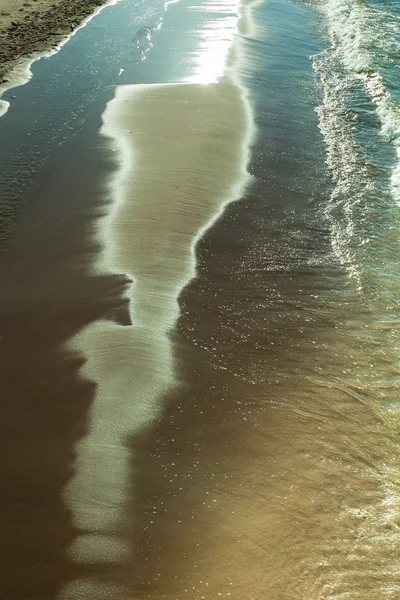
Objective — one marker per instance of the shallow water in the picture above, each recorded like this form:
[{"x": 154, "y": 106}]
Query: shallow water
[{"x": 249, "y": 449}]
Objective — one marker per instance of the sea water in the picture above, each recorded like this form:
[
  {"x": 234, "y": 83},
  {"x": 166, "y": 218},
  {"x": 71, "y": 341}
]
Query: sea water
[{"x": 270, "y": 468}]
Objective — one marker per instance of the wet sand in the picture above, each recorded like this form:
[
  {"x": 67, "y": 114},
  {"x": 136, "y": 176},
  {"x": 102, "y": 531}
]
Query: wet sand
[
  {"x": 36, "y": 26},
  {"x": 47, "y": 297},
  {"x": 182, "y": 161}
]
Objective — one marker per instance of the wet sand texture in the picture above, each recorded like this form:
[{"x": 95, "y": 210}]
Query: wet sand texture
[
  {"x": 183, "y": 152},
  {"x": 27, "y": 27}
]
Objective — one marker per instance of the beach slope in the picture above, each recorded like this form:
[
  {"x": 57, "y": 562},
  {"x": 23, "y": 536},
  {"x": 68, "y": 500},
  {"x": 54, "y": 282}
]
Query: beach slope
[{"x": 28, "y": 26}]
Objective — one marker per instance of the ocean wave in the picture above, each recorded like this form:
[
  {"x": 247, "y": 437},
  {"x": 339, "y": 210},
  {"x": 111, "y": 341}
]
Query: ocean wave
[
  {"x": 345, "y": 159},
  {"x": 363, "y": 39}
]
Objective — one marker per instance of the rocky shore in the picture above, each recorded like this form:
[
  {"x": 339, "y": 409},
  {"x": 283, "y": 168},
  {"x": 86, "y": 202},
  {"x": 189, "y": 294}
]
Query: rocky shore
[{"x": 36, "y": 25}]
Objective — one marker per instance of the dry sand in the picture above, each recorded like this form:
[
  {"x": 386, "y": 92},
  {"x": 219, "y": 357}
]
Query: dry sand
[{"x": 28, "y": 26}]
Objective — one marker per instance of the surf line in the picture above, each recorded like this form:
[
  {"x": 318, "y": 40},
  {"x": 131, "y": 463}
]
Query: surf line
[{"x": 183, "y": 151}]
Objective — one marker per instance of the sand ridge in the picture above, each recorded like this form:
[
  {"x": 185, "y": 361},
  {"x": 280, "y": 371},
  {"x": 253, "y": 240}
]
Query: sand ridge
[{"x": 183, "y": 151}]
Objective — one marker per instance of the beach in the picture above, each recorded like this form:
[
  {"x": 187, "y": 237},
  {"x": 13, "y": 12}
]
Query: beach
[
  {"x": 198, "y": 317},
  {"x": 30, "y": 27}
]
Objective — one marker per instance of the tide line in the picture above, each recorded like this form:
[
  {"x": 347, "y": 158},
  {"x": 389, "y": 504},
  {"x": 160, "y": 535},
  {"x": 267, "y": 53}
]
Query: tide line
[{"x": 21, "y": 73}]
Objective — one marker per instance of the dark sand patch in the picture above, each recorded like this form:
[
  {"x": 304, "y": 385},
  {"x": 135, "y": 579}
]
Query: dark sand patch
[{"x": 46, "y": 297}]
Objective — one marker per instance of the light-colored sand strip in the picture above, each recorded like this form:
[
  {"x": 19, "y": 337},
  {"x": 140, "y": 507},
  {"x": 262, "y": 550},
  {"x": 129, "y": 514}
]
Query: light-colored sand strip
[
  {"x": 184, "y": 150},
  {"x": 183, "y": 153}
]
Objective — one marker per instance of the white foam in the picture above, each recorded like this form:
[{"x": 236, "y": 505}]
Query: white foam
[
  {"x": 348, "y": 21},
  {"x": 353, "y": 29}
]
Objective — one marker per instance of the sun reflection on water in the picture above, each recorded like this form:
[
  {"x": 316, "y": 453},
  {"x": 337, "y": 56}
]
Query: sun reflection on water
[{"x": 216, "y": 37}]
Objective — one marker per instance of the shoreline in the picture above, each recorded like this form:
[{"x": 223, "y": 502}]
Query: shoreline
[
  {"x": 16, "y": 71},
  {"x": 165, "y": 196},
  {"x": 134, "y": 379},
  {"x": 28, "y": 28}
]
